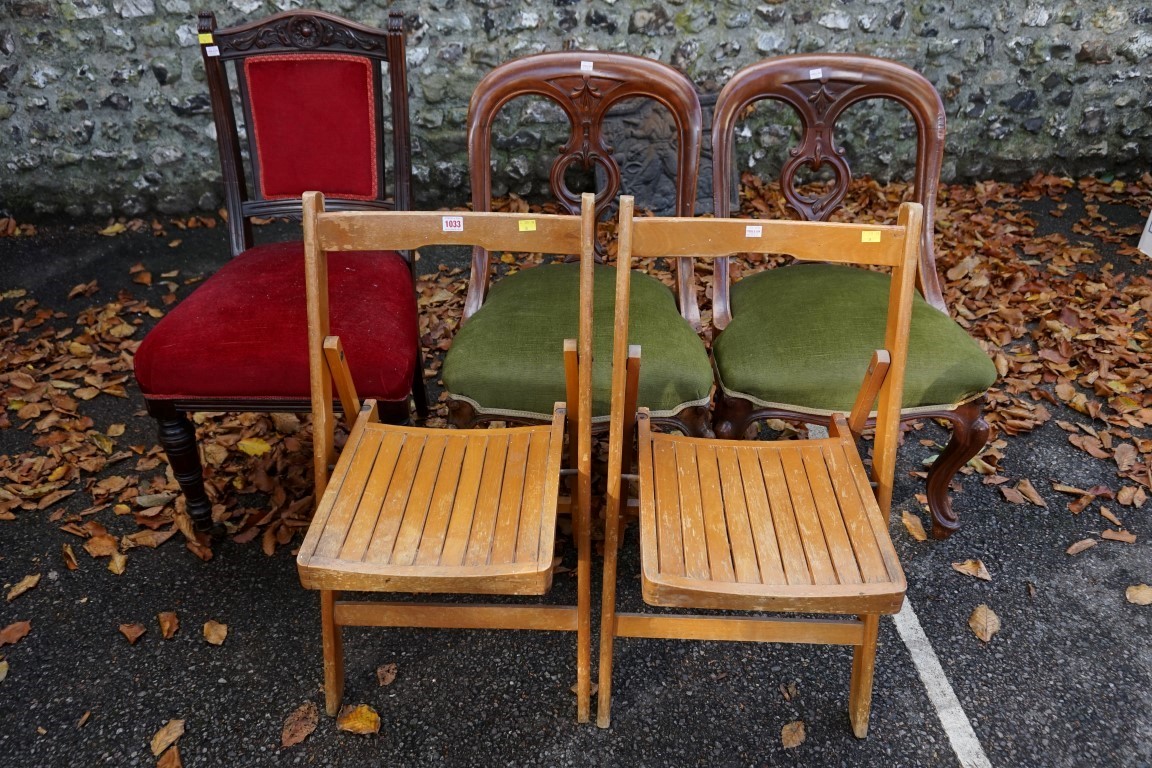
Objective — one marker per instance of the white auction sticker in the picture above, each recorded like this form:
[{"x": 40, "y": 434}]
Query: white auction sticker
[
  {"x": 585, "y": 66},
  {"x": 453, "y": 223},
  {"x": 211, "y": 51},
  {"x": 753, "y": 230},
  {"x": 1146, "y": 238},
  {"x": 815, "y": 74}
]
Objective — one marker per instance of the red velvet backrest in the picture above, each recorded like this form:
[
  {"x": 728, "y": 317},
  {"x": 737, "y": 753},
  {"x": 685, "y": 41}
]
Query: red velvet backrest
[{"x": 313, "y": 125}]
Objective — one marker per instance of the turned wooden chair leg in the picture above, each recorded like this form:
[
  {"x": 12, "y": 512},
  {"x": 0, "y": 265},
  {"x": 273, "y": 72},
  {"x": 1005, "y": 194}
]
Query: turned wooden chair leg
[
  {"x": 969, "y": 435},
  {"x": 732, "y": 417},
  {"x": 178, "y": 439},
  {"x": 333, "y": 653},
  {"x": 863, "y": 667}
]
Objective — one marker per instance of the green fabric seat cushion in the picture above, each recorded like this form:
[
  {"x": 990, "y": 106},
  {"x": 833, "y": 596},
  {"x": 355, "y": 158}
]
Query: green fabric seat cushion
[
  {"x": 801, "y": 336},
  {"x": 508, "y": 357}
]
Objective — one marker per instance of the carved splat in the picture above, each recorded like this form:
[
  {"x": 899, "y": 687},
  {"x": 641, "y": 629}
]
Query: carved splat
[{"x": 819, "y": 104}]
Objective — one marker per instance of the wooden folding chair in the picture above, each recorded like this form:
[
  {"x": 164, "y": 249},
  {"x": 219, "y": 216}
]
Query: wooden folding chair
[
  {"x": 784, "y": 526},
  {"x": 409, "y": 509}
]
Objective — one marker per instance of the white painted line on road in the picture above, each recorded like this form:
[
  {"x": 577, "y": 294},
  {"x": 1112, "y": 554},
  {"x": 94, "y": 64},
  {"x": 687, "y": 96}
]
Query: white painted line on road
[{"x": 952, "y": 717}]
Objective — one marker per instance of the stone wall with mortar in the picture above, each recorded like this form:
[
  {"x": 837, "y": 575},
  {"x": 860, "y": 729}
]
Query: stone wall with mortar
[{"x": 103, "y": 109}]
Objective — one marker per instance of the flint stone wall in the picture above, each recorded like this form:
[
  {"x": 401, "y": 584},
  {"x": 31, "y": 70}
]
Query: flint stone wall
[{"x": 103, "y": 108}]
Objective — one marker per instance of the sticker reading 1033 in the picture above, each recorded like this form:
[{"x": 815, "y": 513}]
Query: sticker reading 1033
[
  {"x": 753, "y": 230},
  {"x": 453, "y": 223}
]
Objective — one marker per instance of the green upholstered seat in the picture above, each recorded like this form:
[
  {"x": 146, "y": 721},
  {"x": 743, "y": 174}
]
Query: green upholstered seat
[
  {"x": 802, "y": 336},
  {"x": 507, "y": 359}
]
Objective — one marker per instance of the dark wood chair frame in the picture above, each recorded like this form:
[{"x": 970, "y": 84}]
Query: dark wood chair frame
[
  {"x": 296, "y": 32},
  {"x": 586, "y": 85},
  {"x": 820, "y": 87}
]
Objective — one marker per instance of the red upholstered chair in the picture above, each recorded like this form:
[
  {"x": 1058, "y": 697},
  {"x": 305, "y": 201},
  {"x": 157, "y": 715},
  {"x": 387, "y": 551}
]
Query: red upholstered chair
[{"x": 312, "y": 90}]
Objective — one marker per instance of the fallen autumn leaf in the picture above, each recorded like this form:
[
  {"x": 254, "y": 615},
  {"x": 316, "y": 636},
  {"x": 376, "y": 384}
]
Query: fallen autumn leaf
[
  {"x": 300, "y": 724},
  {"x": 984, "y": 622},
  {"x": 1140, "y": 594},
  {"x": 132, "y": 632},
  {"x": 167, "y": 736},
  {"x": 974, "y": 568},
  {"x": 361, "y": 719},
  {"x": 22, "y": 586},
  {"x": 792, "y": 735},
  {"x": 215, "y": 632}
]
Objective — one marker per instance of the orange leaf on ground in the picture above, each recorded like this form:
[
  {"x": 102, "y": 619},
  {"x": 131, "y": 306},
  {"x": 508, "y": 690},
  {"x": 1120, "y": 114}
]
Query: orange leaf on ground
[
  {"x": 169, "y": 623},
  {"x": 22, "y": 586},
  {"x": 215, "y": 632},
  {"x": 132, "y": 632},
  {"x": 101, "y": 545},
  {"x": 1029, "y": 492},
  {"x": 386, "y": 674},
  {"x": 14, "y": 632},
  {"x": 1124, "y": 536},
  {"x": 984, "y": 622},
  {"x": 914, "y": 526},
  {"x": 792, "y": 735},
  {"x": 1080, "y": 546},
  {"x": 299, "y": 724},
  {"x": 167, "y": 736},
  {"x": 118, "y": 563},
  {"x": 170, "y": 759},
  {"x": 974, "y": 568},
  {"x": 1140, "y": 594},
  {"x": 360, "y": 719},
  {"x": 69, "y": 557}
]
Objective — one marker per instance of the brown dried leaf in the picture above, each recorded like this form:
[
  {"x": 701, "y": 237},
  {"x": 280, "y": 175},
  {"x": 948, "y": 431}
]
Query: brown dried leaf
[
  {"x": 1080, "y": 504},
  {"x": 1012, "y": 495},
  {"x": 1029, "y": 492},
  {"x": 169, "y": 624},
  {"x": 132, "y": 632},
  {"x": 984, "y": 622},
  {"x": 360, "y": 719},
  {"x": 22, "y": 586},
  {"x": 215, "y": 632},
  {"x": 69, "y": 557},
  {"x": 792, "y": 735},
  {"x": 914, "y": 526},
  {"x": 300, "y": 724},
  {"x": 167, "y": 736},
  {"x": 14, "y": 632},
  {"x": 1107, "y": 515},
  {"x": 386, "y": 674},
  {"x": 118, "y": 563},
  {"x": 101, "y": 545},
  {"x": 3, "y": 670},
  {"x": 974, "y": 568},
  {"x": 1125, "y": 456},
  {"x": 1140, "y": 594},
  {"x": 170, "y": 759},
  {"x": 1124, "y": 536},
  {"x": 1080, "y": 546},
  {"x": 148, "y": 538}
]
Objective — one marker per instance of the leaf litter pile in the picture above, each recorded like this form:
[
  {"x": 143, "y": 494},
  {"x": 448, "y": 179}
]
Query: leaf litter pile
[{"x": 1063, "y": 317}]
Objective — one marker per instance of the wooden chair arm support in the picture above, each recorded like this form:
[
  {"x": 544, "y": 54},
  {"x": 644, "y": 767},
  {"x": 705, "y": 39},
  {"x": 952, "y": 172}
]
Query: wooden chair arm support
[
  {"x": 342, "y": 377},
  {"x": 869, "y": 390}
]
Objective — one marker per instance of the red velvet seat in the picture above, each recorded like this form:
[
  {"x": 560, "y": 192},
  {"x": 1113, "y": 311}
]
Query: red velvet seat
[
  {"x": 319, "y": 97},
  {"x": 262, "y": 351}
]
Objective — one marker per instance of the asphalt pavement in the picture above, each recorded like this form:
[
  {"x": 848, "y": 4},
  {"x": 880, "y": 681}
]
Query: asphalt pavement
[{"x": 1067, "y": 681}]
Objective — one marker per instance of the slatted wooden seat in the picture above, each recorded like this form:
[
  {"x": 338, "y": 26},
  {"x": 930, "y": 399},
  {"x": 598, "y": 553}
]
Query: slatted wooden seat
[
  {"x": 418, "y": 510},
  {"x": 426, "y": 510},
  {"x": 787, "y": 526}
]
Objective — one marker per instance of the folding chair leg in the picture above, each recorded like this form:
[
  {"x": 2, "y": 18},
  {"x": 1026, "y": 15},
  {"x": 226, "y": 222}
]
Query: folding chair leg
[
  {"x": 607, "y": 627},
  {"x": 863, "y": 666},
  {"x": 333, "y": 653}
]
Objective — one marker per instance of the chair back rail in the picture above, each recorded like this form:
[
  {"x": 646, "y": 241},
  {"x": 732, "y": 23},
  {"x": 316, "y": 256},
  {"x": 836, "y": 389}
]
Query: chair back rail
[
  {"x": 585, "y": 85},
  {"x": 820, "y": 88}
]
